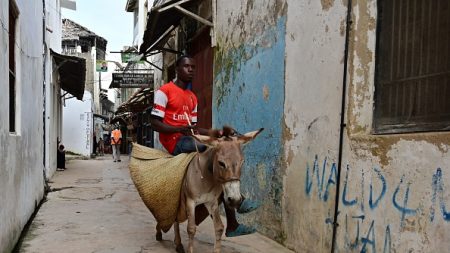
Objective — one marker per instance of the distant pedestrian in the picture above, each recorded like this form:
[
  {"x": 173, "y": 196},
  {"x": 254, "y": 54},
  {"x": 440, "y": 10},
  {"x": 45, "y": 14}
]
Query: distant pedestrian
[
  {"x": 116, "y": 140},
  {"x": 61, "y": 158},
  {"x": 94, "y": 146},
  {"x": 101, "y": 147}
]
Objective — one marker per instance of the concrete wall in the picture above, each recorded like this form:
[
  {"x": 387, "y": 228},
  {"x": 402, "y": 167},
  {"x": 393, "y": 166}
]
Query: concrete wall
[
  {"x": 78, "y": 125},
  {"x": 314, "y": 74},
  {"x": 393, "y": 195},
  {"x": 21, "y": 162},
  {"x": 248, "y": 94},
  {"x": 398, "y": 190}
]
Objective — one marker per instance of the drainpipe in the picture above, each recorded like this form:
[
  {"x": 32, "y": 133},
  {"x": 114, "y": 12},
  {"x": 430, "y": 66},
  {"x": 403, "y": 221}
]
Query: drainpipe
[
  {"x": 342, "y": 124},
  {"x": 44, "y": 85}
]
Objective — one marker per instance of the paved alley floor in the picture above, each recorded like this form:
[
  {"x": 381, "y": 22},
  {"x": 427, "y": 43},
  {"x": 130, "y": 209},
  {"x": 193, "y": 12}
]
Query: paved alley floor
[{"x": 94, "y": 207}]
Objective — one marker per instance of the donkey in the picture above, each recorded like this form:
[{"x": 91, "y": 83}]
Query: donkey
[{"x": 209, "y": 174}]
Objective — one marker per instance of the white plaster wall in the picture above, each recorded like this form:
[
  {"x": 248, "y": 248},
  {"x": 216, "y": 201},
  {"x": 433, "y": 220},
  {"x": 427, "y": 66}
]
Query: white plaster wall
[
  {"x": 53, "y": 116},
  {"x": 314, "y": 74},
  {"x": 21, "y": 162},
  {"x": 399, "y": 183},
  {"x": 78, "y": 125}
]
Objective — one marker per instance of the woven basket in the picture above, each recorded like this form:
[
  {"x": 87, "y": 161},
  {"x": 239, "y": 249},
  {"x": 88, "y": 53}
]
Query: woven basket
[{"x": 158, "y": 176}]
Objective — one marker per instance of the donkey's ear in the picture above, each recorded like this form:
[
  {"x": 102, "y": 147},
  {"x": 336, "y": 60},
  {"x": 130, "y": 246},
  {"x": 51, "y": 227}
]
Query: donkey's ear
[
  {"x": 245, "y": 138},
  {"x": 205, "y": 139}
]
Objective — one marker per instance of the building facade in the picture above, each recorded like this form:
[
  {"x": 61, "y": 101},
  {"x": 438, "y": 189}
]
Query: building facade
[
  {"x": 355, "y": 152},
  {"x": 79, "y": 41},
  {"x": 31, "y": 108}
]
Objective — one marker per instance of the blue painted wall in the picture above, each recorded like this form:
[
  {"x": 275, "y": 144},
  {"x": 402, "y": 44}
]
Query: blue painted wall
[{"x": 241, "y": 73}]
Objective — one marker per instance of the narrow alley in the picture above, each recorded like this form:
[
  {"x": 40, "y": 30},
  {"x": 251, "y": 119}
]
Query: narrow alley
[
  {"x": 353, "y": 97},
  {"x": 93, "y": 206}
]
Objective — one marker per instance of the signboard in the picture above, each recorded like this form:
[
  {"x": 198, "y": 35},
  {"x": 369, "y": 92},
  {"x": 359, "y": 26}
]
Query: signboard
[
  {"x": 127, "y": 56},
  {"x": 101, "y": 66},
  {"x": 131, "y": 80}
]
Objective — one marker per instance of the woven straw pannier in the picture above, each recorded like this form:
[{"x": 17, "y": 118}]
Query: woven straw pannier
[{"x": 158, "y": 176}]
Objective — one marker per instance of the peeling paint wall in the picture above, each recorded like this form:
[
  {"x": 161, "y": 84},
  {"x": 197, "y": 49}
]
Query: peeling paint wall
[
  {"x": 21, "y": 162},
  {"x": 396, "y": 195},
  {"x": 248, "y": 94},
  {"x": 314, "y": 76},
  {"x": 394, "y": 191}
]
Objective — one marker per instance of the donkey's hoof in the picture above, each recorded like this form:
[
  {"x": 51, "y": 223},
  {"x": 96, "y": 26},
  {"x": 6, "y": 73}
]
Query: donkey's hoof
[
  {"x": 158, "y": 236},
  {"x": 180, "y": 249}
]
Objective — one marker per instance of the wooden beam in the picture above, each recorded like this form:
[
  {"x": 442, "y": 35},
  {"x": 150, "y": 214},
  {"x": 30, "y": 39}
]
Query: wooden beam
[{"x": 194, "y": 16}]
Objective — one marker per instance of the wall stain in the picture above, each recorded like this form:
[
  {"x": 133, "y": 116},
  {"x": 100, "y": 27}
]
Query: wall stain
[
  {"x": 380, "y": 145},
  {"x": 359, "y": 72},
  {"x": 342, "y": 28},
  {"x": 266, "y": 93},
  {"x": 327, "y": 4}
]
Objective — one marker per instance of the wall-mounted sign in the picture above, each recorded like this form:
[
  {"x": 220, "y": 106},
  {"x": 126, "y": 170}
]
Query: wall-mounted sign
[
  {"x": 101, "y": 66},
  {"x": 131, "y": 80},
  {"x": 127, "y": 56}
]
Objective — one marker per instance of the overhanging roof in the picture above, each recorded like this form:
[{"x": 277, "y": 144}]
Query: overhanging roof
[
  {"x": 72, "y": 73},
  {"x": 138, "y": 102},
  {"x": 163, "y": 18},
  {"x": 131, "y": 5}
]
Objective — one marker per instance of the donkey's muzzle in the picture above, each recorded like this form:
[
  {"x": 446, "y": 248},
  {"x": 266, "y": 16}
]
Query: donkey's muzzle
[{"x": 232, "y": 193}]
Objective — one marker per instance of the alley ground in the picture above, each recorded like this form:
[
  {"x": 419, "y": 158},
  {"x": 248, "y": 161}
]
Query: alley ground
[{"x": 94, "y": 207}]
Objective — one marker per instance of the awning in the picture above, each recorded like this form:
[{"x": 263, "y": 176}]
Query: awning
[
  {"x": 138, "y": 102},
  {"x": 72, "y": 73},
  {"x": 163, "y": 18}
]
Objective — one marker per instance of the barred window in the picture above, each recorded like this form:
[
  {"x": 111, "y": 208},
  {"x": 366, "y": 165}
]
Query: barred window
[{"x": 412, "y": 81}]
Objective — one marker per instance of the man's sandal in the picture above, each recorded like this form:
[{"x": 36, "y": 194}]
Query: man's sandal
[{"x": 241, "y": 230}]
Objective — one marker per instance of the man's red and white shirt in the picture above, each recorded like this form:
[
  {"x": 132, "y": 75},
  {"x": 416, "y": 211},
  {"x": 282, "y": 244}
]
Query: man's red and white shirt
[{"x": 172, "y": 103}]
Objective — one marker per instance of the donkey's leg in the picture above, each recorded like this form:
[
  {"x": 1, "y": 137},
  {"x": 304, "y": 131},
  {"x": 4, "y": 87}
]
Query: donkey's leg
[
  {"x": 191, "y": 227},
  {"x": 158, "y": 233},
  {"x": 218, "y": 225},
  {"x": 179, "y": 246}
]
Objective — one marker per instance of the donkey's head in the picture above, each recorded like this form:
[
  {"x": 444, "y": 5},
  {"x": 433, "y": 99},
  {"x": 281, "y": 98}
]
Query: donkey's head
[{"x": 228, "y": 159}]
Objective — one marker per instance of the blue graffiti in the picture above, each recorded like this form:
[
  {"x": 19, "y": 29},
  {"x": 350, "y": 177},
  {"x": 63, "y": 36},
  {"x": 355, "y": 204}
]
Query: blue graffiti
[
  {"x": 404, "y": 210},
  {"x": 362, "y": 190},
  {"x": 323, "y": 177},
  {"x": 331, "y": 180},
  {"x": 355, "y": 243},
  {"x": 366, "y": 240},
  {"x": 387, "y": 240},
  {"x": 320, "y": 178},
  {"x": 438, "y": 190},
  {"x": 344, "y": 193},
  {"x": 309, "y": 183},
  {"x": 373, "y": 204}
]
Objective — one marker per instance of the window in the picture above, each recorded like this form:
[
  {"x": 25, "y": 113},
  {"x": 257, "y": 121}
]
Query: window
[
  {"x": 412, "y": 81},
  {"x": 13, "y": 14}
]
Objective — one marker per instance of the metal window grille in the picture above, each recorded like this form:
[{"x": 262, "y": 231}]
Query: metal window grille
[{"x": 412, "y": 91}]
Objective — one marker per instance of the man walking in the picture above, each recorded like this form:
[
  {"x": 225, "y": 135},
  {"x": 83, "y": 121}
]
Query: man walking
[{"x": 116, "y": 140}]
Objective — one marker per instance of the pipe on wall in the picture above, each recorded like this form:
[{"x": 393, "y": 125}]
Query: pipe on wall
[{"x": 342, "y": 123}]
